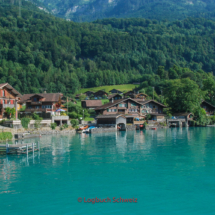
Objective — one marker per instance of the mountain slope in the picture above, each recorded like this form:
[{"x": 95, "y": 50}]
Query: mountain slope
[
  {"x": 89, "y": 10},
  {"x": 40, "y": 51}
]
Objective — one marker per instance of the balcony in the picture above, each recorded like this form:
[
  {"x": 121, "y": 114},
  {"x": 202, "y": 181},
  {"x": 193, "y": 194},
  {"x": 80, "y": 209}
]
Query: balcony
[
  {"x": 36, "y": 103},
  {"x": 38, "y": 110},
  {"x": 7, "y": 105}
]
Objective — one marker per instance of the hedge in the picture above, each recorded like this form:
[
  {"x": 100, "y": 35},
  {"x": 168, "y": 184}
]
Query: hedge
[{"x": 6, "y": 136}]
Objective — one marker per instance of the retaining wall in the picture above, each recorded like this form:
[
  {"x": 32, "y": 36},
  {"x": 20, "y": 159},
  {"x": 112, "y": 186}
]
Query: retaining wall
[{"x": 103, "y": 130}]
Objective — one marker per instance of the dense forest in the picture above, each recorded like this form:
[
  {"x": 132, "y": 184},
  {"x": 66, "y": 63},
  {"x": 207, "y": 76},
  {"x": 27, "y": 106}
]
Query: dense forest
[
  {"x": 90, "y": 10},
  {"x": 39, "y": 51}
]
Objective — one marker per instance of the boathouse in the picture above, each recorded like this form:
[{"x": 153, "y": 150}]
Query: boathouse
[{"x": 112, "y": 121}]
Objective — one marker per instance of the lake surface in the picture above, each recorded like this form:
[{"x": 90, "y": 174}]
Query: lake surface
[{"x": 170, "y": 171}]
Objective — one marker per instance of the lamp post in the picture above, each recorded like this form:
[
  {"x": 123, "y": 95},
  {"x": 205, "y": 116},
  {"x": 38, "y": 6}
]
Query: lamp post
[{"x": 83, "y": 114}]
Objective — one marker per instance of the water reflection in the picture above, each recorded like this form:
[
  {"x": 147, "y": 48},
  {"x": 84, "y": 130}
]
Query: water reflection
[{"x": 179, "y": 147}]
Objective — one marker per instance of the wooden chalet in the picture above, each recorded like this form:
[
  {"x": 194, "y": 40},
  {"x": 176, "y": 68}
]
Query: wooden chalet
[
  {"x": 209, "y": 108},
  {"x": 42, "y": 102},
  {"x": 115, "y": 91},
  {"x": 8, "y": 98},
  {"x": 115, "y": 96},
  {"x": 140, "y": 96},
  {"x": 89, "y": 93},
  {"x": 132, "y": 108},
  {"x": 100, "y": 94},
  {"x": 91, "y": 104}
]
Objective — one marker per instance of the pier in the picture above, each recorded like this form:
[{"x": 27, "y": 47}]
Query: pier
[{"x": 25, "y": 148}]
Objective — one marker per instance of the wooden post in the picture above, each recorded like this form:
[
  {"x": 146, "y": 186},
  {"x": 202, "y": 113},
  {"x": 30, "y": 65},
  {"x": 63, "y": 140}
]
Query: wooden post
[
  {"x": 38, "y": 145},
  {"x": 27, "y": 149},
  {"x": 7, "y": 147},
  {"x": 33, "y": 148}
]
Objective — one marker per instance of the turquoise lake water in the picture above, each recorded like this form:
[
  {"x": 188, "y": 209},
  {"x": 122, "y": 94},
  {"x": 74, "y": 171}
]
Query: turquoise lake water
[{"x": 169, "y": 171}]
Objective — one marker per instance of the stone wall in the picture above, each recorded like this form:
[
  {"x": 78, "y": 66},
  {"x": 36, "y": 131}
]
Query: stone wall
[
  {"x": 131, "y": 127},
  {"x": 103, "y": 130}
]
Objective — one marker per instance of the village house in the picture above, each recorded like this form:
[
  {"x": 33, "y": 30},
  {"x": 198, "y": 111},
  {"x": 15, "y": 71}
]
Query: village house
[
  {"x": 115, "y": 96},
  {"x": 140, "y": 96},
  {"x": 89, "y": 93},
  {"x": 91, "y": 104},
  {"x": 209, "y": 108},
  {"x": 115, "y": 91},
  {"x": 100, "y": 94},
  {"x": 45, "y": 105},
  {"x": 8, "y": 98},
  {"x": 132, "y": 109},
  {"x": 42, "y": 102},
  {"x": 131, "y": 94}
]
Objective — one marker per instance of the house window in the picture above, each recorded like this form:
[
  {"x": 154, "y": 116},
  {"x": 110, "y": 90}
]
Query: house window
[
  {"x": 37, "y": 107},
  {"x": 122, "y": 105},
  {"x": 133, "y": 105},
  {"x": 9, "y": 102},
  {"x": 3, "y": 93},
  {"x": 3, "y": 102}
]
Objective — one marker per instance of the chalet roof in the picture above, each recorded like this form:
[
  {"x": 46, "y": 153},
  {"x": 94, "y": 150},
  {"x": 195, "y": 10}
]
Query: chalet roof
[
  {"x": 111, "y": 116},
  {"x": 143, "y": 102},
  {"x": 116, "y": 90},
  {"x": 100, "y": 91},
  {"x": 110, "y": 104},
  {"x": 208, "y": 104},
  {"x": 113, "y": 95},
  {"x": 8, "y": 86},
  {"x": 141, "y": 94},
  {"x": 48, "y": 97},
  {"x": 93, "y": 103},
  {"x": 131, "y": 91}
]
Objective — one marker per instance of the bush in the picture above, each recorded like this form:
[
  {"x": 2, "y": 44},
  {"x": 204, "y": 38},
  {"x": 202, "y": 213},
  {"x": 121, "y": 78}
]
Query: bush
[
  {"x": 6, "y": 136},
  {"x": 73, "y": 115},
  {"x": 74, "y": 122},
  {"x": 148, "y": 117},
  {"x": 37, "y": 124},
  {"x": 10, "y": 111},
  {"x": 2, "y": 122},
  {"x": 63, "y": 113},
  {"x": 213, "y": 119},
  {"x": 36, "y": 117},
  {"x": 53, "y": 126},
  {"x": 25, "y": 121},
  {"x": 65, "y": 126}
]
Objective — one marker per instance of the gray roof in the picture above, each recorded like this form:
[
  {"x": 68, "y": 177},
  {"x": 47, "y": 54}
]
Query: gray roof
[
  {"x": 111, "y": 116},
  {"x": 118, "y": 101}
]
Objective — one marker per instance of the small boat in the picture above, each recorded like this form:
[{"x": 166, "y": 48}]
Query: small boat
[
  {"x": 154, "y": 128},
  {"x": 83, "y": 128},
  {"x": 88, "y": 130}
]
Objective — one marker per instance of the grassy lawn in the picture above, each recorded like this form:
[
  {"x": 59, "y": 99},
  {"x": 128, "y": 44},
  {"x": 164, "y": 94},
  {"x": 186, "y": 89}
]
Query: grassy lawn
[
  {"x": 124, "y": 87},
  {"x": 105, "y": 101},
  {"x": 88, "y": 119}
]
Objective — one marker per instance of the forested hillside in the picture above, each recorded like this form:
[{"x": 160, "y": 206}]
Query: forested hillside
[
  {"x": 39, "y": 51},
  {"x": 82, "y": 10}
]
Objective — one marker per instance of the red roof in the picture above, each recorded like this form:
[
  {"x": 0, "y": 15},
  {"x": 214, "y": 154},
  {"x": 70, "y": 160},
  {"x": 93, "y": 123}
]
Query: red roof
[
  {"x": 48, "y": 97},
  {"x": 93, "y": 103},
  {"x": 14, "y": 91}
]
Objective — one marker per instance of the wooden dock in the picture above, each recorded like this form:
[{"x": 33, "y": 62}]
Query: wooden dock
[{"x": 20, "y": 148}]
